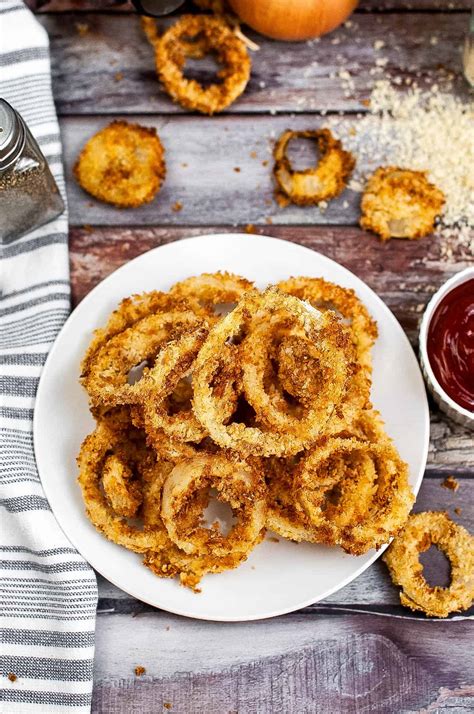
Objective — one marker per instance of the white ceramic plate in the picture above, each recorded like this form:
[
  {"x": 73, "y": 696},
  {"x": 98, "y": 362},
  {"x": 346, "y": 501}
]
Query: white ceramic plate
[{"x": 278, "y": 577}]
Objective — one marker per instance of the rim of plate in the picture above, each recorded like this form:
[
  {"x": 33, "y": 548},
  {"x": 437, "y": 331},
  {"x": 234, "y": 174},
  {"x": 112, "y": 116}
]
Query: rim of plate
[{"x": 248, "y": 239}]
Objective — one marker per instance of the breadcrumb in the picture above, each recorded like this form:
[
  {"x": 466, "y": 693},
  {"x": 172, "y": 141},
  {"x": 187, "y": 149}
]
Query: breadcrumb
[{"x": 451, "y": 483}]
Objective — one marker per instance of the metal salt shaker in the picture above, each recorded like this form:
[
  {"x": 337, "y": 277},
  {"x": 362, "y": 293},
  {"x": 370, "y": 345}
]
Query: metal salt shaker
[{"x": 29, "y": 196}]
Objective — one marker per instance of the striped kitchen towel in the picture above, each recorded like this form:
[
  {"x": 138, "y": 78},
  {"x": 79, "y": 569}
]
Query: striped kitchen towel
[{"x": 48, "y": 593}]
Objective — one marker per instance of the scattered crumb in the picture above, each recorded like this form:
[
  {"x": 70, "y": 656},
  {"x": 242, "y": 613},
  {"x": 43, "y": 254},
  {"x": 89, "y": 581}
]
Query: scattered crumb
[
  {"x": 265, "y": 162},
  {"x": 272, "y": 539},
  {"x": 185, "y": 166},
  {"x": 237, "y": 169},
  {"x": 139, "y": 671},
  {"x": 118, "y": 76},
  {"x": 82, "y": 28},
  {"x": 253, "y": 154},
  {"x": 167, "y": 628},
  {"x": 12, "y": 677},
  {"x": 268, "y": 220},
  {"x": 458, "y": 511},
  {"x": 365, "y": 102},
  {"x": 167, "y": 705},
  {"x": 250, "y": 228},
  {"x": 176, "y": 207},
  {"x": 378, "y": 44},
  {"x": 252, "y": 567},
  {"x": 451, "y": 483},
  {"x": 88, "y": 228}
]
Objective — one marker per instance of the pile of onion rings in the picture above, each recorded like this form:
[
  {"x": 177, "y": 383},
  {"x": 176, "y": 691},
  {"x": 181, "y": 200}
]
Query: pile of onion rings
[
  {"x": 259, "y": 399},
  {"x": 322, "y": 182},
  {"x": 195, "y": 36},
  {"x": 402, "y": 558}
]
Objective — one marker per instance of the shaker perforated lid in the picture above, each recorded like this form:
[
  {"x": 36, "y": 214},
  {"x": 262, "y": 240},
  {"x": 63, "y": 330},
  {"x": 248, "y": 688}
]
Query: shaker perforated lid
[{"x": 12, "y": 135}]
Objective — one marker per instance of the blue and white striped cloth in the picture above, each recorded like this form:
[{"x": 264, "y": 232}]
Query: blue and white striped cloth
[{"x": 48, "y": 593}]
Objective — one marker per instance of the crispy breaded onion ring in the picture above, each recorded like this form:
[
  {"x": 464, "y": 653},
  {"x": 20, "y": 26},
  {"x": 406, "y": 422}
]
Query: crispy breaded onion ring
[
  {"x": 122, "y": 164},
  {"x": 285, "y": 515},
  {"x": 356, "y": 494},
  {"x": 186, "y": 495},
  {"x": 400, "y": 203},
  {"x": 265, "y": 440},
  {"x": 323, "y": 294},
  {"x": 213, "y": 33},
  {"x": 173, "y": 364},
  {"x": 212, "y": 289},
  {"x": 402, "y": 557},
  {"x": 105, "y": 376},
  {"x": 321, "y": 183},
  {"x": 109, "y": 459},
  {"x": 318, "y": 380},
  {"x": 135, "y": 308}
]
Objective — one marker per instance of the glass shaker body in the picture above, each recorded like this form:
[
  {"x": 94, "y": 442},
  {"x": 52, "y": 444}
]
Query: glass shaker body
[{"x": 29, "y": 196}]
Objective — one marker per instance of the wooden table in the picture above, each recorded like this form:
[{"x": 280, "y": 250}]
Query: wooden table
[{"x": 358, "y": 651}]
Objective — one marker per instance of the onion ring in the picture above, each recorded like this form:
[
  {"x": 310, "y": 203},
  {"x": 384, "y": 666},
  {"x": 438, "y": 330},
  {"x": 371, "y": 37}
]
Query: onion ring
[
  {"x": 123, "y": 164},
  {"x": 369, "y": 483},
  {"x": 105, "y": 376},
  {"x": 321, "y": 183},
  {"x": 212, "y": 289},
  {"x": 185, "y": 494},
  {"x": 263, "y": 440},
  {"x": 173, "y": 364},
  {"x": 322, "y": 294},
  {"x": 104, "y": 451},
  {"x": 402, "y": 558},
  {"x": 170, "y": 56},
  {"x": 319, "y": 380},
  {"x": 189, "y": 482},
  {"x": 135, "y": 308},
  {"x": 400, "y": 203}
]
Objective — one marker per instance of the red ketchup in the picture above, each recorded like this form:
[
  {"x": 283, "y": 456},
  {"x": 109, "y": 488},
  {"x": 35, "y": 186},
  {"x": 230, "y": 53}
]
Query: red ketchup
[{"x": 451, "y": 344}]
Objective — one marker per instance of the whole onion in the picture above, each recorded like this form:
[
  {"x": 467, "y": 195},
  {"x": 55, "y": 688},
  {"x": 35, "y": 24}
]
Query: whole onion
[{"x": 293, "y": 19}]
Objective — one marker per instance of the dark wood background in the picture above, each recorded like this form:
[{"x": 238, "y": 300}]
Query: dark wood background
[{"x": 358, "y": 651}]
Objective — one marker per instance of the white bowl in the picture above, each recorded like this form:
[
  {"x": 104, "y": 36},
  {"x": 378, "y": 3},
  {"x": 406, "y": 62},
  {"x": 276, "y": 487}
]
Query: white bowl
[{"x": 445, "y": 402}]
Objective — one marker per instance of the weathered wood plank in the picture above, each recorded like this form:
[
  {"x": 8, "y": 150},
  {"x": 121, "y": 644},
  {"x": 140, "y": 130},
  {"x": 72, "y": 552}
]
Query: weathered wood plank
[
  {"x": 318, "y": 664},
  {"x": 125, "y": 6},
  {"x": 219, "y": 170},
  {"x": 109, "y": 68},
  {"x": 404, "y": 273}
]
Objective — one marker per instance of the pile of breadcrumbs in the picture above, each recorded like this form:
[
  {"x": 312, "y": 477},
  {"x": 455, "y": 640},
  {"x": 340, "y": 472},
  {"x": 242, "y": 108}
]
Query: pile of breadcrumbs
[{"x": 423, "y": 130}]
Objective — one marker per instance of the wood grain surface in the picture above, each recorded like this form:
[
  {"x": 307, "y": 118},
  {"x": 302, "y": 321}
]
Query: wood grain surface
[
  {"x": 125, "y": 6},
  {"x": 285, "y": 77},
  {"x": 359, "y": 650}
]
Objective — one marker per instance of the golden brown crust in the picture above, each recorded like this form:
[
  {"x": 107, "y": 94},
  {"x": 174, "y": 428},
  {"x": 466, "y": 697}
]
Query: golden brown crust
[
  {"x": 321, "y": 183},
  {"x": 402, "y": 558},
  {"x": 122, "y": 164},
  {"x": 355, "y": 493},
  {"x": 400, "y": 203},
  {"x": 211, "y": 33}
]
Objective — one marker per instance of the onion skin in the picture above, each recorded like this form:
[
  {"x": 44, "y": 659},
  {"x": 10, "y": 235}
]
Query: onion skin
[{"x": 295, "y": 20}]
